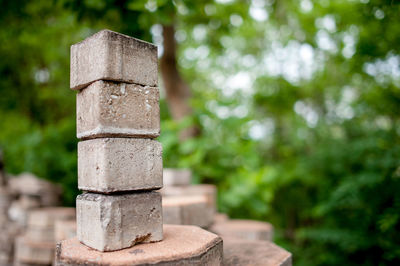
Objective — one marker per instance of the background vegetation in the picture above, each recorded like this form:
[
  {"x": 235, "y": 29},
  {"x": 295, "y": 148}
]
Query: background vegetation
[{"x": 294, "y": 106}]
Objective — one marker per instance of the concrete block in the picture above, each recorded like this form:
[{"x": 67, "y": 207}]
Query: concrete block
[
  {"x": 46, "y": 217},
  {"x": 108, "y": 55},
  {"x": 27, "y": 251},
  {"x": 64, "y": 230},
  {"x": 119, "y": 164},
  {"x": 182, "y": 245},
  {"x": 177, "y": 177},
  {"x": 113, "y": 222},
  {"x": 244, "y": 229},
  {"x": 210, "y": 191},
  {"x": 106, "y": 109},
  {"x": 187, "y": 210},
  {"x": 239, "y": 252}
]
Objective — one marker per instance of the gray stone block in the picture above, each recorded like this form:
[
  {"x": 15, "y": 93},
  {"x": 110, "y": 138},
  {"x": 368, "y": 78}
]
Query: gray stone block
[
  {"x": 119, "y": 164},
  {"x": 117, "y": 109},
  {"x": 108, "y": 55},
  {"x": 113, "y": 222}
]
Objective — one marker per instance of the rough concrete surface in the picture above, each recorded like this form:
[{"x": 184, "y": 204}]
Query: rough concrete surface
[
  {"x": 113, "y": 222},
  {"x": 182, "y": 245},
  {"x": 177, "y": 177},
  {"x": 119, "y": 164},
  {"x": 239, "y": 252},
  {"x": 108, "y": 55},
  {"x": 244, "y": 229},
  {"x": 187, "y": 210},
  {"x": 106, "y": 109}
]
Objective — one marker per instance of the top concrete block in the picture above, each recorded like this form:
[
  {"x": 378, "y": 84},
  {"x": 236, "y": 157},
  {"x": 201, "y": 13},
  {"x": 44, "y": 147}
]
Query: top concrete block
[{"x": 108, "y": 55}]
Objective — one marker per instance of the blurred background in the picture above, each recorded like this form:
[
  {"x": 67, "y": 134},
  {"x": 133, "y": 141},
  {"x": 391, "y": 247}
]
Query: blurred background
[{"x": 289, "y": 107}]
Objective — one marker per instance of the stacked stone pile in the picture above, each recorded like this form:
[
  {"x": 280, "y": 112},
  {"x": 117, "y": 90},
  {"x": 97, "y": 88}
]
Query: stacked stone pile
[
  {"x": 120, "y": 163},
  {"x": 36, "y": 246}
]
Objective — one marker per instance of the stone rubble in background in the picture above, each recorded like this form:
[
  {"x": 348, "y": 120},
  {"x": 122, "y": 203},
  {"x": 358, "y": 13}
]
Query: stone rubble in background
[
  {"x": 37, "y": 244},
  {"x": 27, "y": 236}
]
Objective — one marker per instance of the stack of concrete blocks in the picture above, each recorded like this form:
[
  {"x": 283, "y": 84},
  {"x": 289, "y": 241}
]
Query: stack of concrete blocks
[
  {"x": 36, "y": 246},
  {"x": 30, "y": 192},
  {"x": 184, "y": 203},
  {"x": 120, "y": 163}
]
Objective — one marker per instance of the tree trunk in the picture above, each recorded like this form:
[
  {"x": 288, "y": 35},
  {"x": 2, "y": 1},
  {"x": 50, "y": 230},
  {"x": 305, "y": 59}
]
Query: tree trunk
[{"x": 177, "y": 91}]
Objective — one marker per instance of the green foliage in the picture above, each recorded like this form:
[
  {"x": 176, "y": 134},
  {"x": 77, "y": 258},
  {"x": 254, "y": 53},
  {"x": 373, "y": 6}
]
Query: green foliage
[{"x": 296, "y": 101}]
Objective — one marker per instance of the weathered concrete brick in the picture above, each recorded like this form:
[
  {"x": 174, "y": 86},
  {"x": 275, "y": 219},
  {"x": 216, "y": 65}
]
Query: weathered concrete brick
[
  {"x": 119, "y": 164},
  {"x": 177, "y": 177},
  {"x": 27, "y": 251},
  {"x": 113, "y": 222},
  {"x": 182, "y": 245},
  {"x": 244, "y": 229},
  {"x": 187, "y": 210},
  {"x": 108, "y": 55},
  {"x": 239, "y": 252},
  {"x": 106, "y": 109}
]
